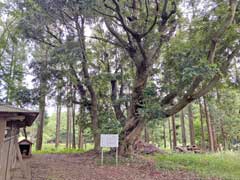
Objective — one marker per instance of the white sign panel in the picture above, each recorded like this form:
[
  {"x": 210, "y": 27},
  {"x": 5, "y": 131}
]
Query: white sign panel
[{"x": 109, "y": 140}]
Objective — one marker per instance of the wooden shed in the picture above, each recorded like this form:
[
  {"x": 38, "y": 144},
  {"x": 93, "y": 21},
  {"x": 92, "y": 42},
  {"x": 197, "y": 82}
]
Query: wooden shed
[
  {"x": 25, "y": 148},
  {"x": 11, "y": 120}
]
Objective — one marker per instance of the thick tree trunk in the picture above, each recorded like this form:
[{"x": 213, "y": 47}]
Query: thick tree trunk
[
  {"x": 209, "y": 126},
  {"x": 136, "y": 46},
  {"x": 191, "y": 125},
  {"x": 170, "y": 133},
  {"x": 131, "y": 136},
  {"x": 164, "y": 135},
  {"x": 135, "y": 124},
  {"x": 203, "y": 145},
  {"x": 184, "y": 138},
  {"x": 174, "y": 133},
  {"x": 58, "y": 124}
]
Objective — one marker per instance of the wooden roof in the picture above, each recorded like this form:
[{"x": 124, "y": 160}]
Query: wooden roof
[
  {"x": 12, "y": 109},
  {"x": 17, "y": 117},
  {"x": 25, "y": 140}
]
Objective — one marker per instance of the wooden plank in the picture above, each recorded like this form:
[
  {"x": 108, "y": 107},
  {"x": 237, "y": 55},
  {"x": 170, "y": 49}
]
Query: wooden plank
[
  {"x": 14, "y": 118},
  {"x": 4, "y": 158},
  {"x": 10, "y": 158},
  {"x": 15, "y": 153},
  {"x": 2, "y": 152},
  {"x": 2, "y": 131}
]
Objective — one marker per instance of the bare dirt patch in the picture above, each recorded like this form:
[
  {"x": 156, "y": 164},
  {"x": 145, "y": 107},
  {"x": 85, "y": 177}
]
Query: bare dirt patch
[{"x": 86, "y": 167}]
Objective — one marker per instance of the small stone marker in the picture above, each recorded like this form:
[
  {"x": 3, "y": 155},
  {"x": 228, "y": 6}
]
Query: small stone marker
[{"x": 109, "y": 141}]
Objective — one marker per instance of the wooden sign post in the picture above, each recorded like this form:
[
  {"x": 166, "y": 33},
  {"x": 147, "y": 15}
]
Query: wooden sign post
[{"x": 109, "y": 141}]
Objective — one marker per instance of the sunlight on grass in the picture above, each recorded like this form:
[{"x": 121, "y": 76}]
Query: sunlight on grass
[
  {"x": 225, "y": 165},
  {"x": 50, "y": 149}
]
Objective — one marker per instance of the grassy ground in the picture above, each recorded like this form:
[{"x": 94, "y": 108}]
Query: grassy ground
[
  {"x": 223, "y": 165},
  {"x": 50, "y": 149}
]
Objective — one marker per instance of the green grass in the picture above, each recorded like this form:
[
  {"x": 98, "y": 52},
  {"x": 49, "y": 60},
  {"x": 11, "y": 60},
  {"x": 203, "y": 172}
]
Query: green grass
[
  {"x": 224, "y": 165},
  {"x": 50, "y": 149}
]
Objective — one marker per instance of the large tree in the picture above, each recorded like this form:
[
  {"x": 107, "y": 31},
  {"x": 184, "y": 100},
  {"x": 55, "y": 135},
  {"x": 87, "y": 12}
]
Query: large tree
[
  {"x": 142, "y": 28},
  {"x": 151, "y": 44}
]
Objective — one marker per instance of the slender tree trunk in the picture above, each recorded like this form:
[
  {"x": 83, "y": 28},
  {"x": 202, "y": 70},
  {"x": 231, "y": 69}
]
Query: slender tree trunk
[
  {"x": 95, "y": 124},
  {"x": 40, "y": 120},
  {"x": 237, "y": 73},
  {"x": 174, "y": 133},
  {"x": 58, "y": 124},
  {"x": 73, "y": 128},
  {"x": 25, "y": 133},
  {"x": 203, "y": 145},
  {"x": 68, "y": 128},
  {"x": 170, "y": 133},
  {"x": 215, "y": 143},
  {"x": 164, "y": 135},
  {"x": 80, "y": 127},
  {"x": 210, "y": 135},
  {"x": 146, "y": 135},
  {"x": 223, "y": 133},
  {"x": 42, "y": 102},
  {"x": 191, "y": 125},
  {"x": 184, "y": 139},
  {"x": 80, "y": 25},
  {"x": 80, "y": 137},
  {"x": 115, "y": 103}
]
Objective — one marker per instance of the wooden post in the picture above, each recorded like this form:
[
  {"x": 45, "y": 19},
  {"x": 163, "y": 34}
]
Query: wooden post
[
  {"x": 102, "y": 157},
  {"x": 10, "y": 156},
  {"x": 2, "y": 137},
  {"x": 2, "y": 131},
  {"x": 116, "y": 156}
]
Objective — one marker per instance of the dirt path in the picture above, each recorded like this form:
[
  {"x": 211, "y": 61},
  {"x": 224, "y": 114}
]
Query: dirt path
[{"x": 85, "y": 167}]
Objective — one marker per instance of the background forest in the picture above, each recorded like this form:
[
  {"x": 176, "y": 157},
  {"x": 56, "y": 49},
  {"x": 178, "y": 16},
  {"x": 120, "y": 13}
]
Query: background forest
[{"x": 166, "y": 72}]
